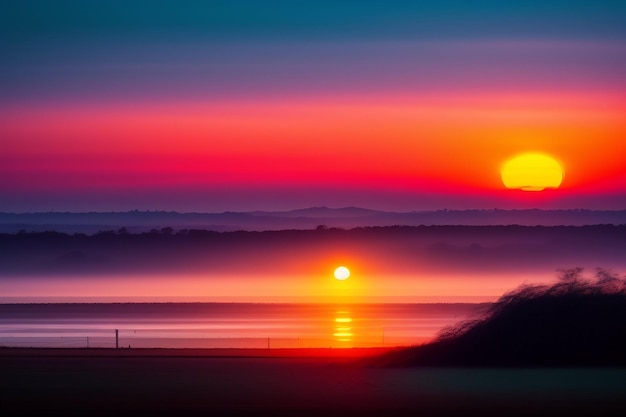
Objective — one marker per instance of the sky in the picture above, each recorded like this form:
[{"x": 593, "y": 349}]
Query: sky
[
  {"x": 274, "y": 105},
  {"x": 243, "y": 105}
]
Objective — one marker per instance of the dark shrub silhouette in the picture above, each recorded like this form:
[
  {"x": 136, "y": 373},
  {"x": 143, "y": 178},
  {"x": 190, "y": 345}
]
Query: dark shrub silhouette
[{"x": 574, "y": 322}]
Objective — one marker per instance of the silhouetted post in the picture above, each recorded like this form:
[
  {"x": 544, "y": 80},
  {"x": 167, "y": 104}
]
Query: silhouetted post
[{"x": 117, "y": 339}]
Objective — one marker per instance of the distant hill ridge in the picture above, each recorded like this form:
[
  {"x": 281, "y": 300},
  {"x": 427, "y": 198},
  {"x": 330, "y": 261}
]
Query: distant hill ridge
[{"x": 307, "y": 218}]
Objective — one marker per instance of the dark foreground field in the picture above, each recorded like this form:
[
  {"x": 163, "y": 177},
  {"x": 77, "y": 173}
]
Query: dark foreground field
[{"x": 304, "y": 382}]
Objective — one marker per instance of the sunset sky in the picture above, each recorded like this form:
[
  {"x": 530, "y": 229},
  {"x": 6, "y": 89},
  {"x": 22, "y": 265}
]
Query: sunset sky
[
  {"x": 243, "y": 105},
  {"x": 276, "y": 105}
]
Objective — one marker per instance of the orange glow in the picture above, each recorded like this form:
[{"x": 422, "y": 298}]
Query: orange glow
[
  {"x": 532, "y": 172},
  {"x": 444, "y": 144},
  {"x": 429, "y": 287}
]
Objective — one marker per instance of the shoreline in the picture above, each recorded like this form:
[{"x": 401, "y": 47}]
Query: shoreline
[{"x": 304, "y": 353}]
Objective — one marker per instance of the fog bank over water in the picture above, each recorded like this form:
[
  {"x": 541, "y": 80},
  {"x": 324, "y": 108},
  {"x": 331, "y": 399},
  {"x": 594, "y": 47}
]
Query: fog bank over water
[{"x": 400, "y": 261}]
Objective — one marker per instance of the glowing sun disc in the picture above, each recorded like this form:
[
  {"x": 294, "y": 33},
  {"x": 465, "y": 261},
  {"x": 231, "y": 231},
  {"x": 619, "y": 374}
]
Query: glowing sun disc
[
  {"x": 532, "y": 172},
  {"x": 342, "y": 273}
]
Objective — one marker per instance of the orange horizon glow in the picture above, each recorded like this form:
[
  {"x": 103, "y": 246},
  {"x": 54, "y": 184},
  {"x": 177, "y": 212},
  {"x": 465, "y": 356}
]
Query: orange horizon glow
[
  {"x": 470, "y": 287},
  {"x": 452, "y": 144}
]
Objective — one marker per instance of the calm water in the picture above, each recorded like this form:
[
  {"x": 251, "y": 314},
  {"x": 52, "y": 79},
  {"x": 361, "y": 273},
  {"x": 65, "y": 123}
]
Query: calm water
[{"x": 214, "y": 325}]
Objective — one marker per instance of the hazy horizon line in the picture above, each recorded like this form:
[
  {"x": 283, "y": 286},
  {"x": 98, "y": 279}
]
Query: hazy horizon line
[
  {"x": 305, "y": 208},
  {"x": 303, "y": 299}
]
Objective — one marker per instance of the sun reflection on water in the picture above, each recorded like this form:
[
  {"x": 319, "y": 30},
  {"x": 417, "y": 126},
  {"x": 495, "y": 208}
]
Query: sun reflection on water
[{"x": 343, "y": 327}]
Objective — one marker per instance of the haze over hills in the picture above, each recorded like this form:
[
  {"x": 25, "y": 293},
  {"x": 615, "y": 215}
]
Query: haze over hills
[
  {"x": 308, "y": 218},
  {"x": 515, "y": 252}
]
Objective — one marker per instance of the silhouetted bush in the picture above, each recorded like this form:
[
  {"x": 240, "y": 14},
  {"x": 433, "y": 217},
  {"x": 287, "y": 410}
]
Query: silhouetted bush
[{"x": 576, "y": 321}]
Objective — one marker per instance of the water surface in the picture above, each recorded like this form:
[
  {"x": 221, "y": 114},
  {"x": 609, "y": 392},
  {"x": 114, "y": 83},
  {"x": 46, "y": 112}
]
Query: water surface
[{"x": 226, "y": 324}]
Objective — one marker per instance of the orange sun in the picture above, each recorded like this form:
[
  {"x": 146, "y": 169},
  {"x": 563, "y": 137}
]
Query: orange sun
[{"x": 532, "y": 172}]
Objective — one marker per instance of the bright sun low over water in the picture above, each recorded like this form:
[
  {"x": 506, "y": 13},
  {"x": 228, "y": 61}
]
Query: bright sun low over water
[{"x": 342, "y": 273}]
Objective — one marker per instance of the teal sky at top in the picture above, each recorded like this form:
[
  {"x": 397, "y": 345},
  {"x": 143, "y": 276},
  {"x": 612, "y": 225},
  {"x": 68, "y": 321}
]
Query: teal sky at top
[{"x": 45, "y": 20}]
